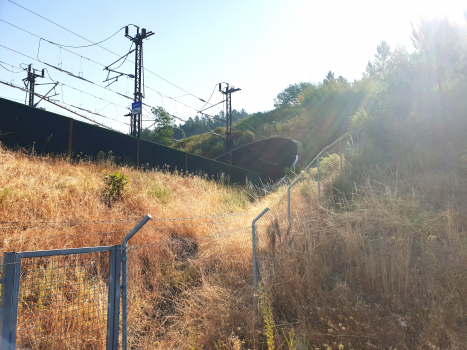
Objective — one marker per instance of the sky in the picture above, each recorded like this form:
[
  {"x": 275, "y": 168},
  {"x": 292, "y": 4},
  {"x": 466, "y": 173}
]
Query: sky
[{"x": 259, "y": 46}]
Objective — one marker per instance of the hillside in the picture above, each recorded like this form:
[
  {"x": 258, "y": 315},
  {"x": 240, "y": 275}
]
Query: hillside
[
  {"x": 395, "y": 83},
  {"x": 377, "y": 262}
]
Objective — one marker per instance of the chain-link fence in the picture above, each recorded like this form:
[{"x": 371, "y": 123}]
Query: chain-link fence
[
  {"x": 275, "y": 226},
  {"x": 71, "y": 298}
]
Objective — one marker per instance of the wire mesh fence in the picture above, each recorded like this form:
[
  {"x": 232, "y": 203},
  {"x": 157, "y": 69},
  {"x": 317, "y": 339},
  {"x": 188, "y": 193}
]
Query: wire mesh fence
[
  {"x": 275, "y": 227},
  {"x": 63, "y": 302},
  {"x": 60, "y": 299},
  {"x": 71, "y": 298}
]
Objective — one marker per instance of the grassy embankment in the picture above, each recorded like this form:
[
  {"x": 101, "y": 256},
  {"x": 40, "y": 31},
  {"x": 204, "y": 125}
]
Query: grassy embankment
[
  {"x": 50, "y": 203},
  {"x": 381, "y": 266}
]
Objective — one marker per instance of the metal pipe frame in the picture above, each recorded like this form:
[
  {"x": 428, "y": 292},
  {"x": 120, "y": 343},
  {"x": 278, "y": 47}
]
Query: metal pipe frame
[
  {"x": 253, "y": 237},
  {"x": 124, "y": 286}
]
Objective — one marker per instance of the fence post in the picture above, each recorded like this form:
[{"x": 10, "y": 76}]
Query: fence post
[
  {"x": 124, "y": 257},
  {"x": 288, "y": 207},
  {"x": 253, "y": 233},
  {"x": 113, "y": 298},
  {"x": 340, "y": 152},
  {"x": 10, "y": 295},
  {"x": 319, "y": 185}
]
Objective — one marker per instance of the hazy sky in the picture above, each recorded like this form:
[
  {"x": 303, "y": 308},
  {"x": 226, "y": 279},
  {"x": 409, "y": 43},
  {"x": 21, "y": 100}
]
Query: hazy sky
[{"x": 257, "y": 45}]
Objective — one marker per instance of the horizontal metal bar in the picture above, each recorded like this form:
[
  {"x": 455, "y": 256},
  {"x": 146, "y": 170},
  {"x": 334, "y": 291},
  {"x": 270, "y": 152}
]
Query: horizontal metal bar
[{"x": 54, "y": 252}]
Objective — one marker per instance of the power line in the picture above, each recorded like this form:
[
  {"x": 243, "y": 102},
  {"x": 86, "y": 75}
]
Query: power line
[
  {"x": 97, "y": 44},
  {"x": 69, "y": 73},
  {"x": 65, "y": 85},
  {"x": 46, "y": 99},
  {"x": 66, "y": 28},
  {"x": 50, "y": 42},
  {"x": 102, "y": 65},
  {"x": 1, "y": 65},
  {"x": 81, "y": 78},
  {"x": 84, "y": 92}
]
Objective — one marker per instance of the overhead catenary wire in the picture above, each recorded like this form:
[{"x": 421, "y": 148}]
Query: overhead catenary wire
[
  {"x": 51, "y": 42},
  {"x": 68, "y": 73},
  {"x": 98, "y": 114},
  {"x": 100, "y": 64},
  {"x": 54, "y": 103},
  {"x": 97, "y": 44},
  {"x": 120, "y": 94},
  {"x": 1, "y": 65},
  {"x": 102, "y": 87}
]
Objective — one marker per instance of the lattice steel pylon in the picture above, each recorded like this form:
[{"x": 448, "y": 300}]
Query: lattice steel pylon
[
  {"x": 135, "y": 124},
  {"x": 228, "y": 120},
  {"x": 30, "y": 81}
]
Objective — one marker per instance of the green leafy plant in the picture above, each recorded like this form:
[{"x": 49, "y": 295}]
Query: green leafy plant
[
  {"x": 265, "y": 306},
  {"x": 219, "y": 343},
  {"x": 116, "y": 185},
  {"x": 290, "y": 340}
]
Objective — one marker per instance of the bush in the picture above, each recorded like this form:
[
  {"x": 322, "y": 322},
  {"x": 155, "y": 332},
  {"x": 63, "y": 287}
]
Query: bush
[
  {"x": 116, "y": 185},
  {"x": 164, "y": 194}
]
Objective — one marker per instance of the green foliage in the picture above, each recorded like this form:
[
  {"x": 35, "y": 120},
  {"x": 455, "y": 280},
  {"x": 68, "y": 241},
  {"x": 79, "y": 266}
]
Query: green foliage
[
  {"x": 234, "y": 200},
  {"x": 116, "y": 185},
  {"x": 163, "y": 129},
  {"x": 289, "y": 97},
  {"x": 290, "y": 340},
  {"x": 219, "y": 344},
  {"x": 247, "y": 137},
  {"x": 329, "y": 165},
  {"x": 164, "y": 194},
  {"x": 164, "y": 125},
  {"x": 5, "y": 194},
  {"x": 265, "y": 306},
  {"x": 423, "y": 92},
  {"x": 358, "y": 120},
  {"x": 219, "y": 148}
]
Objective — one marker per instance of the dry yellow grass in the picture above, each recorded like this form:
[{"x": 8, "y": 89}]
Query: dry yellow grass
[
  {"x": 39, "y": 193},
  {"x": 378, "y": 272},
  {"x": 50, "y": 203}
]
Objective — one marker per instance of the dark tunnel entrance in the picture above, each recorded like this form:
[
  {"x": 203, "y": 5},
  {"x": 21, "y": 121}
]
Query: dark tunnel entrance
[{"x": 268, "y": 157}]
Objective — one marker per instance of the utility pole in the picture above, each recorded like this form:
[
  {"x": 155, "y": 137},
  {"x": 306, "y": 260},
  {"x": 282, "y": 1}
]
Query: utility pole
[
  {"x": 228, "y": 120},
  {"x": 30, "y": 81},
  {"x": 135, "y": 124}
]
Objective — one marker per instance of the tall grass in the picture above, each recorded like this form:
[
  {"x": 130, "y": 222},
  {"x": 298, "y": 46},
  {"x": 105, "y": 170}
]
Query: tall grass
[{"x": 379, "y": 265}]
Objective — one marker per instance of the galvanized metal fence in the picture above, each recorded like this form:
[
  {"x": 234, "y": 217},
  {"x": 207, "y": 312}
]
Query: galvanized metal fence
[
  {"x": 73, "y": 298},
  {"x": 277, "y": 223}
]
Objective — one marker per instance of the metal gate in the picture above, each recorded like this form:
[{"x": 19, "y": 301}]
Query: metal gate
[{"x": 64, "y": 298}]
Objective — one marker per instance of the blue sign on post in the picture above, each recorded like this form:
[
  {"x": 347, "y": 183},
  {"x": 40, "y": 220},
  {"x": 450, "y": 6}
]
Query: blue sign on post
[{"x": 136, "y": 108}]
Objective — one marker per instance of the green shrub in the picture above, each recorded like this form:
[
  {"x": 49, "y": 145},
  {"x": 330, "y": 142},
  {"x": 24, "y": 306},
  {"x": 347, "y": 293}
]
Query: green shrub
[
  {"x": 246, "y": 138},
  {"x": 164, "y": 194},
  {"x": 116, "y": 185}
]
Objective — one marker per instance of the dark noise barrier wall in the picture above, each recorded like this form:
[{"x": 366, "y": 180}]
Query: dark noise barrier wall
[{"x": 27, "y": 127}]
